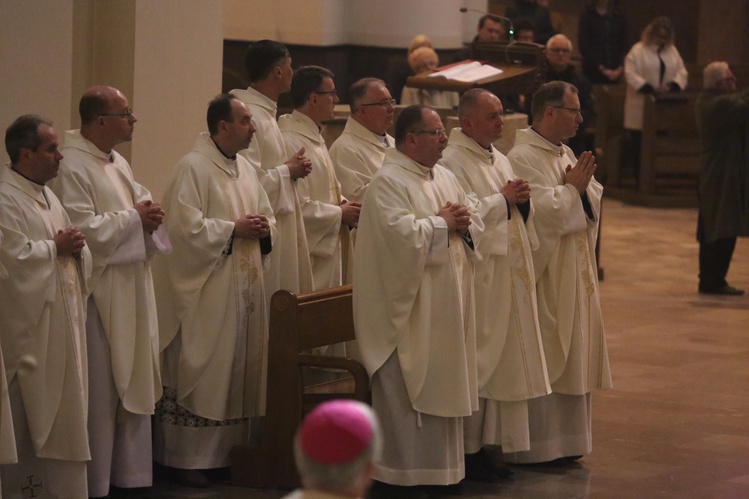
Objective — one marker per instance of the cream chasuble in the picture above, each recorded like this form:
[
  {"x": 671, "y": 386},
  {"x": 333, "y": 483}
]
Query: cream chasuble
[
  {"x": 357, "y": 155},
  {"x": 565, "y": 267},
  {"x": 98, "y": 192},
  {"x": 329, "y": 242},
  {"x": 510, "y": 358},
  {"x": 290, "y": 266},
  {"x": 7, "y": 436},
  {"x": 213, "y": 301},
  {"x": 413, "y": 291},
  {"x": 42, "y": 318}
]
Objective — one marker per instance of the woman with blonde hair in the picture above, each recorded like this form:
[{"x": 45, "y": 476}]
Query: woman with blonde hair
[
  {"x": 422, "y": 60},
  {"x": 652, "y": 66}
]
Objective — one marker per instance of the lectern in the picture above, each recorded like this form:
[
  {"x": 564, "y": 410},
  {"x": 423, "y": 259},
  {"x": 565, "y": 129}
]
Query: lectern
[{"x": 519, "y": 62}]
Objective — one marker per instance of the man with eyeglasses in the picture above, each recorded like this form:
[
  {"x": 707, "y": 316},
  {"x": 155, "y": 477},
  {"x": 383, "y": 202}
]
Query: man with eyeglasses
[
  {"x": 723, "y": 127},
  {"x": 558, "y": 67},
  {"x": 511, "y": 364},
  {"x": 359, "y": 151},
  {"x": 567, "y": 204},
  {"x": 328, "y": 216},
  {"x": 122, "y": 225},
  {"x": 413, "y": 308}
]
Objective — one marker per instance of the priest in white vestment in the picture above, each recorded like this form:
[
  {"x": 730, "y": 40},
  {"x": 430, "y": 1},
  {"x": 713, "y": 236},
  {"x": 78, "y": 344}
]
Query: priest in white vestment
[
  {"x": 123, "y": 229},
  {"x": 510, "y": 356},
  {"x": 567, "y": 203},
  {"x": 8, "y": 453},
  {"x": 42, "y": 323},
  {"x": 414, "y": 306},
  {"x": 358, "y": 152},
  {"x": 328, "y": 216},
  {"x": 211, "y": 297},
  {"x": 269, "y": 68}
]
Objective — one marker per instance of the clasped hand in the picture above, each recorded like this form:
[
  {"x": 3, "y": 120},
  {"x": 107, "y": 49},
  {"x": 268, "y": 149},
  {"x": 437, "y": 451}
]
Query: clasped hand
[
  {"x": 69, "y": 242},
  {"x": 299, "y": 165},
  {"x": 457, "y": 217},
  {"x": 252, "y": 227},
  {"x": 517, "y": 191},
  {"x": 580, "y": 175},
  {"x": 151, "y": 215}
]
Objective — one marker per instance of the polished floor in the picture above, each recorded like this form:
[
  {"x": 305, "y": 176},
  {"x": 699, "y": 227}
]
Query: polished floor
[{"x": 676, "y": 424}]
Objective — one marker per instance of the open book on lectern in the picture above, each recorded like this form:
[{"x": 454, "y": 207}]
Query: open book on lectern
[{"x": 467, "y": 71}]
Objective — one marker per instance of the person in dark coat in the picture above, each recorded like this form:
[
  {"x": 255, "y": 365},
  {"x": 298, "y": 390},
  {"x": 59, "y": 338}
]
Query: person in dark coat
[
  {"x": 723, "y": 127},
  {"x": 540, "y": 15},
  {"x": 602, "y": 41}
]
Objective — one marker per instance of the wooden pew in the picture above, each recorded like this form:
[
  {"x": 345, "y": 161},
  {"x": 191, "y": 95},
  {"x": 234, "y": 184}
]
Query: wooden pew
[
  {"x": 670, "y": 144},
  {"x": 298, "y": 324}
]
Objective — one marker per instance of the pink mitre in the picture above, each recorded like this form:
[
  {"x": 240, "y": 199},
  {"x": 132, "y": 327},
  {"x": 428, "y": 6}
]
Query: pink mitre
[{"x": 336, "y": 432}]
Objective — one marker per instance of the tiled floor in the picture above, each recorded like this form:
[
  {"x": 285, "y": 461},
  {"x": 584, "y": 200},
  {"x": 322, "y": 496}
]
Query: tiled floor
[{"x": 676, "y": 424}]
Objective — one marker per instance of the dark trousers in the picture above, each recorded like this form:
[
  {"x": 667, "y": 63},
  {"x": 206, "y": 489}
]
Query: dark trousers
[{"x": 715, "y": 258}]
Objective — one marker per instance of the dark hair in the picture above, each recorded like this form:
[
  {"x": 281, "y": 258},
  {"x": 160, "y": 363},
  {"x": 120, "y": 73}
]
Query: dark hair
[
  {"x": 219, "y": 109},
  {"x": 23, "y": 133},
  {"x": 523, "y": 24},
  {"x": 485, "y": 17},
  {"x": 359, "y": 89},
  {"x": 91, "y": 106},
  {"x": 262, "y": 57},
  {"x": 410, "y": 119},
  {"x": 306, "y": 81},
  {"x": 549, "y": 94}
]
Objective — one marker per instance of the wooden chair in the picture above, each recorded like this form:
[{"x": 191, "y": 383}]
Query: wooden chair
[
  {"x": 670, "y": 148},
  {"x": 298, "y": 324}
]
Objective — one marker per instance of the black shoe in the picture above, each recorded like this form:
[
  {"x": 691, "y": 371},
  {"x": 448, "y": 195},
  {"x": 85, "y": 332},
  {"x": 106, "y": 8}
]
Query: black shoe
[
  {"x": 455, "y": 489},
  {"x": 564, "y": 461},
  {"x": 487, "y": 463},
  {"x": 382, "y": 490},
  {"x": 191, "y": 478},
  {"x": 725, "y": 290},
  {"x": 477, "y": 469},
  {"x": 131, "y": 493}
]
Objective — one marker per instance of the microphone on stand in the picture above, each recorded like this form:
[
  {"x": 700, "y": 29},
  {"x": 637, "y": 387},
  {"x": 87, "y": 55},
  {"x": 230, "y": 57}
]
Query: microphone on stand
[{"x": 511, "y": 31}]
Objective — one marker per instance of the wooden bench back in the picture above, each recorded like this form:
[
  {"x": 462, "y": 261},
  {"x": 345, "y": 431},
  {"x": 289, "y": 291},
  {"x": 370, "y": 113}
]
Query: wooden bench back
[
  {"x": 298, "y": 323},
  {"x": 670, "y": 144}
]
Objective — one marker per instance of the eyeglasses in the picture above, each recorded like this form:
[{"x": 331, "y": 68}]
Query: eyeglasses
[
  {"x": 127, "y": 114},
  {"x": 329, "y": 92},
  {"x": 575, "y": 110},
  {"x": 439, "y": 132},
  {"x": 384, "y": 103}
]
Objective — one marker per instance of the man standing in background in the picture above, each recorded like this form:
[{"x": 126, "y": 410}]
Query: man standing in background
[
  {"x": 268, "y": 66},
  {"x": 723, "y": 126},
  {"x": 358, "y": 153},
  {"x": 328, "y": 216}
]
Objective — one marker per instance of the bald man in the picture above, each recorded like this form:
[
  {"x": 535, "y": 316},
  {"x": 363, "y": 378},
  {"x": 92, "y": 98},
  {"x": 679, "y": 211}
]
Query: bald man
[{"x": 122, "y": 225}]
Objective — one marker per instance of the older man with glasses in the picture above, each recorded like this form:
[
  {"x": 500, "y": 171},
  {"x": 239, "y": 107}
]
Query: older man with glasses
[
  {"x": 413, "y": 308},
  {"x": 358, "y": 153}
]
